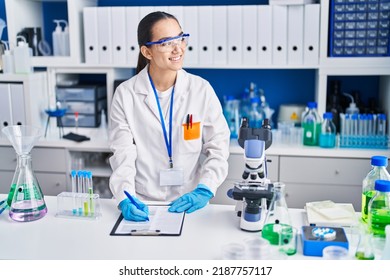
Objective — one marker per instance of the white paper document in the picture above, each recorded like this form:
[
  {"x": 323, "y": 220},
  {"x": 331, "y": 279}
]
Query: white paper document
[{"x": 161, "y": 222}]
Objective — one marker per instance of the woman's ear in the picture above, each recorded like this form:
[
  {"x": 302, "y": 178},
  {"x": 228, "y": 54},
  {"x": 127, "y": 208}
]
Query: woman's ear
[{"x": 146, "y": 52}]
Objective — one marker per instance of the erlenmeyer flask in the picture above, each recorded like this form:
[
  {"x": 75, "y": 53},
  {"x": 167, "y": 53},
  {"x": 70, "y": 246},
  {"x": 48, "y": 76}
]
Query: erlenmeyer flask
[
  {"x": 365, "y": 249},
  {"x": 277, "y": 227},
  {"x": 25, "y": 197}
]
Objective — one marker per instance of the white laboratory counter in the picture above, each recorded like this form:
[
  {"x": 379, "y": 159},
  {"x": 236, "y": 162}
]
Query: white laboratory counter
[{"x": 203, "y": 235}]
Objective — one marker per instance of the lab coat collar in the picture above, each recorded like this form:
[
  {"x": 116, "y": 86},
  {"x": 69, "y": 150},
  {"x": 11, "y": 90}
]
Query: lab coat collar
[{"x": 144, "y": 87}]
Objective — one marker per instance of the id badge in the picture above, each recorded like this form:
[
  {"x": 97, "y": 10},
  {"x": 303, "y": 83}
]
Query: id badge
[{"x": 172, "y": 177}]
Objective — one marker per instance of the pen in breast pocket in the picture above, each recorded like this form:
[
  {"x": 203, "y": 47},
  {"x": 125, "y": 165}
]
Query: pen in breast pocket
[
  {"x": 191, "y": 120},
  {"x": 188, "y": 121}
]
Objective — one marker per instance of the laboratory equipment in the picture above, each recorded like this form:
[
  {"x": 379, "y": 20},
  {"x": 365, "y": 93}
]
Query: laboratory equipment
[
  {"x": 253, "y": 192},
  {"x": 365, "y": 249},
  {"x": 334, "y": 101},
  {"x": 311, "y": 122},
  {"x": 316, "y": 238},
  {"x": 82, "y": 202},
  {"x": 256, "y": 114},
  {"x": 378, "y": 171},
  {"x": 335, "y": 253},
  {"x": 328, "y": 132},
  {"x": 22, "y": 57},
  {"x": 25, "y": 198},
  {"x": 386, "y": 249},
  {"x": 86, "y": 100},
  {"x": 7, "y": 59},
  {"x": 352, "y": 109},
  {"x": 379, "y": 209},
  {"x": 277, "y": 227},
  {"x": 231, "y": 113},
  {"x": 233, "y": 251}
]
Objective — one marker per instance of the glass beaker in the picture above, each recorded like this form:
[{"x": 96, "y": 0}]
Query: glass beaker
[
  {"x": 25, "y": 198},
  {"x": 277, "y": 221}
]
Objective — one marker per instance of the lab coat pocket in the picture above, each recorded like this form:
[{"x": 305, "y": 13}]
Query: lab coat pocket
[
  {"x": 191, "y": 135},
  {"x": 191, "y": 132}
]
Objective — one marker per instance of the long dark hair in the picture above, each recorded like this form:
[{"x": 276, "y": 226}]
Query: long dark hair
[{"x": 144, "y": 33}]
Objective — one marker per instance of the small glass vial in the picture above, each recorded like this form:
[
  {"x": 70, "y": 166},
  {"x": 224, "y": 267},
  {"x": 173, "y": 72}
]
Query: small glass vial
[
  {"x": 328, "y": 132},
  {"x": 379, "y": 209}
]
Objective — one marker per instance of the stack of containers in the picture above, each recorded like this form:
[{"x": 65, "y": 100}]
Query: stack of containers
[{"x": 359, "y": 28}]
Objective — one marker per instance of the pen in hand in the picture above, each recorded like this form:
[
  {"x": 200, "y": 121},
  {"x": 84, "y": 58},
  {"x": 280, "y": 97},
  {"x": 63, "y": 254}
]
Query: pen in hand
[{"x": 130, "y": 197}]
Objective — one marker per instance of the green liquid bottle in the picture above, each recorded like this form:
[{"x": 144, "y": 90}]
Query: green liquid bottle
[
  {"x": 378, "y": 171},
  {"x": 379, "y": 209},
  {"x": 311, "y": 123}
]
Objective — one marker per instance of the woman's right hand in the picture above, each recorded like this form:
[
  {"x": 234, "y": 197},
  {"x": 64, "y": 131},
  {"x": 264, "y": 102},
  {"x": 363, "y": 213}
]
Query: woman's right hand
[{"x": 131, "y": 213}]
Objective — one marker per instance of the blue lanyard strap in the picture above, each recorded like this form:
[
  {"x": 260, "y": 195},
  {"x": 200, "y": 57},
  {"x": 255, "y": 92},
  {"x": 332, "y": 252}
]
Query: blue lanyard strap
[{"x": 168, "y": 142}]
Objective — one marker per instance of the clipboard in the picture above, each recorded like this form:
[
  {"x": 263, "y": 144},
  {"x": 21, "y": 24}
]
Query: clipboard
[{"x": 161, "y": 223}]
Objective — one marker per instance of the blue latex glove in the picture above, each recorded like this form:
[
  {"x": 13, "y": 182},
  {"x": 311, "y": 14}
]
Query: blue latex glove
[
  {"x": 192, "y": 201},
  {"x": 131, "y": 213}
]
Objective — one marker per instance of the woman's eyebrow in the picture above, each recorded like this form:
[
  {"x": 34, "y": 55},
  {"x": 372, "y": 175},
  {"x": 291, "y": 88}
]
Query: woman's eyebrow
[{"x": 163, "y": 38}]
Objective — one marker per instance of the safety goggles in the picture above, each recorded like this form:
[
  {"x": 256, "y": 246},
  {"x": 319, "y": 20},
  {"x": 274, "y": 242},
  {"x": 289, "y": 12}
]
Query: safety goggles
[{"x": 167, "y": 45}]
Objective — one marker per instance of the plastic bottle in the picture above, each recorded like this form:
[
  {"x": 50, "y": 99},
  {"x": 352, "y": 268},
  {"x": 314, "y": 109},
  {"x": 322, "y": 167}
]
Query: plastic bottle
[
  {"x": 245, "y": 105},
  {"x": 8, "y": 60},
  {"x": 22, "y": 57},
  {"x": 378, "y": 171},
  {"x": 57, "y": 38},
  {"x": 328, "y": 132},
  {"x": 311, "y": 123},
  {"x": 231, "y": 114},
  {"x": 65, "y": 39},
  {"x": 379, "y": 209},
  {"x": 352, "y": 109},
  {"x": 256, "y": 115}
]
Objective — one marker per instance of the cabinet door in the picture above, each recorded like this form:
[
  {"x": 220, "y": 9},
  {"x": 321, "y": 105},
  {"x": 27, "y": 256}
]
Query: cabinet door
[
  {"x": 51, "y": 183},
  {"x": 49, "y": 160},
  {"x": 8, "y": 158},
  {"x": 5, "y": 181},
  {"x": 340, "y": 171},
  {"x": 298, "y": 194}
]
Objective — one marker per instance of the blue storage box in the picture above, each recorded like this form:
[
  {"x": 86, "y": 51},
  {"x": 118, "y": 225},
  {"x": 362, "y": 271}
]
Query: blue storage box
[{"x": 359, "y": 28}]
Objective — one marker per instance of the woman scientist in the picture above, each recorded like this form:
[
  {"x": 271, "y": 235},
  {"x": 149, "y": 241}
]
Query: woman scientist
[{"x": 162, "y": 120}]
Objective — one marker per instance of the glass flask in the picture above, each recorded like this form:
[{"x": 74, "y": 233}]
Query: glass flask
[
  {"x": 365, "y": 249},
  {"x": 277, "y": 228},
  {"x": 25, "y": 198}
]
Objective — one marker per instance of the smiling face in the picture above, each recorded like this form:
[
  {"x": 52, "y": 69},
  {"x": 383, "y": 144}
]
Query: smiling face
[{"x": 167, "y": 60}]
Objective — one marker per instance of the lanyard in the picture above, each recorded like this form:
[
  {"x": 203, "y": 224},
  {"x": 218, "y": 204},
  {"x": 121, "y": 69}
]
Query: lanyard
[{"x": 168, "y": 142}]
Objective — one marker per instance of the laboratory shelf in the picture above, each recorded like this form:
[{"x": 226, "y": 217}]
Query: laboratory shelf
[{"x": 307, "y": 151}]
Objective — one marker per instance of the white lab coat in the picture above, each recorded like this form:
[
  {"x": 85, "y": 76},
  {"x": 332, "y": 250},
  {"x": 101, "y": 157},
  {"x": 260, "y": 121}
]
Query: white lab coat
[{"x": 138, "y": 145}]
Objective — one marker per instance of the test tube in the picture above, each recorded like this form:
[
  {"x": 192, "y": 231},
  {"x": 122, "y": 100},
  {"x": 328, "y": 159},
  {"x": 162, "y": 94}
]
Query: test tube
[
  {"x": 381, "y": 124},
  {"x": 74, "y": 190},
  {"x": 370, "y": 125},
  {"x": 80, "y": 190},
  {"x": 90, "y": 191}
]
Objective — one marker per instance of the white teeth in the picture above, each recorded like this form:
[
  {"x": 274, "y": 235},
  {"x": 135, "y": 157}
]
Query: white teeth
[{"x": 175, "y": 58}]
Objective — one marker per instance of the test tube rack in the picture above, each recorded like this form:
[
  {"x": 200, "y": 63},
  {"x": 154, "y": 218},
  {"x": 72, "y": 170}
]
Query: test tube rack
[{"x": 78, "y": 206}]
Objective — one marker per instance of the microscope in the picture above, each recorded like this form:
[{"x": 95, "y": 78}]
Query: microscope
[{"x": 255, "y": 191}]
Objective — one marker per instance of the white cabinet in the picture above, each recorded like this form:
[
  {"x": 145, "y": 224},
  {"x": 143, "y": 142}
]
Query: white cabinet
[
  {"x": 310, "y": 179},
  {"x": 49, "y": 166},
  {"x": 30, "y": 13}
]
